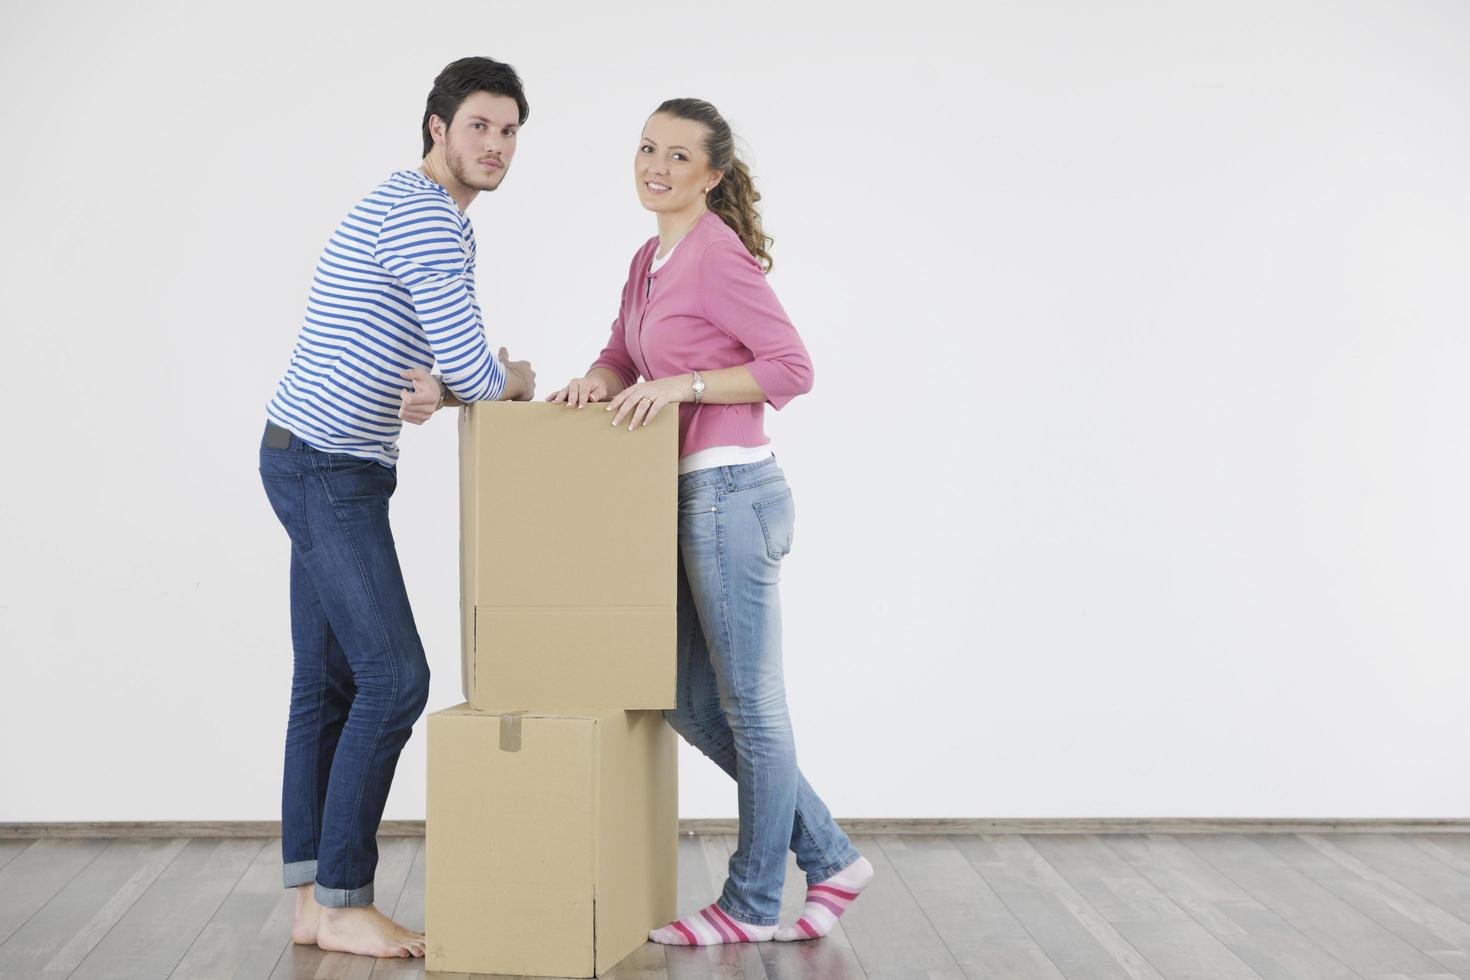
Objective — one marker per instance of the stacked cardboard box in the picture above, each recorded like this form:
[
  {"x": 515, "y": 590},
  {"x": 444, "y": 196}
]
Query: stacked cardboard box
[{"x": 552, "y": 816}]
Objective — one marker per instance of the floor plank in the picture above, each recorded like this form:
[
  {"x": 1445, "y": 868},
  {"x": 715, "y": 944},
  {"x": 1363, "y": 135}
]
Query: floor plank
[
  {"x": 1443, "y": 848},
  {"x": 1170, "y": 940},
  {"x": 1436, "y": 933},
  {"x": 272, "y": 942},
  {"x": 10, "y": 849},
  {"x": 1347, "y": 934},
  {"x": 35, "y": 875},
  {"x": 62, "y": 932},
  {"x": 250, "y": 929},
  {"x": 1071, "y": 932},
  {"x": 1437, "y": 881},
  {"x": 644, "y": 963},
  {"x": 1265, "y": 941},
  {"x": 153, "y": 934},
  {"x": 977, "y": 928}
]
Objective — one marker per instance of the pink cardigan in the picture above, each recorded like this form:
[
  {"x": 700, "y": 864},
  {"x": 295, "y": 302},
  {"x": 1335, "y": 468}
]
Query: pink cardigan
[{"x": 707, "y": 307}]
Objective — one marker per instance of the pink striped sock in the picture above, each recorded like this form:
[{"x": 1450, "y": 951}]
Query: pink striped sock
[
  {"x": 825, "y": 902},
  {"x": 710, "y": 926}
]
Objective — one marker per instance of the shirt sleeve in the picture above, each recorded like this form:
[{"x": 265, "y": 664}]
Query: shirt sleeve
[
  {"x": 420, "y": 244},
  {"x": 615, "y": 356},
  {"x": 735, "y": 297}
]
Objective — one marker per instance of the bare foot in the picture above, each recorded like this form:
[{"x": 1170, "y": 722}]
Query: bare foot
[
  {"x": 308, "y": 915},
  {"x": 367, "y": 932}
]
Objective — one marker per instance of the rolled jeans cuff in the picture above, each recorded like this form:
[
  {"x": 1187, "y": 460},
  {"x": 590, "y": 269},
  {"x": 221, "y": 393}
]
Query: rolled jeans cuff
[
  {"x": 344, "y": 898},
  {"x": 299, "y": 873},
  {"x": 751, "y": 920}
]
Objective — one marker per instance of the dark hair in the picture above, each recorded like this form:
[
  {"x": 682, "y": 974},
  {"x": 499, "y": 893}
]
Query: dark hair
[
  {"x": 734, "y": 197},
  {"x": 461, "y": 79}
]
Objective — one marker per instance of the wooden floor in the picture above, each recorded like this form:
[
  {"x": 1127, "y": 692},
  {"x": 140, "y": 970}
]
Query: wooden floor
[{"x": 1080, "y": 906}]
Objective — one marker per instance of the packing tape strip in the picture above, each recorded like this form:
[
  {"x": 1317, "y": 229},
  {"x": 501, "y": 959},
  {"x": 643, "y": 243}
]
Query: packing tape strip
[{"x": 510, "y": 731}]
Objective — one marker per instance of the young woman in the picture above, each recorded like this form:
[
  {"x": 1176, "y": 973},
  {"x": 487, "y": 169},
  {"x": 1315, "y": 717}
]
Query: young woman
[{"x": 699, "y": 321}]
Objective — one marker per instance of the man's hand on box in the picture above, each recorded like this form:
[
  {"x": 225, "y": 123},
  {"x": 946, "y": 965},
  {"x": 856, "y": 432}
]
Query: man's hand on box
[
  {"x": 644, "y": 401},
  {"x": 520, "y": 379},
  {"x": 580, "y": 392},
  {"x": 421, "y": 398}
]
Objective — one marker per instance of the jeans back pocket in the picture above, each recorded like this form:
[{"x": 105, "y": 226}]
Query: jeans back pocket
[
  {"x": 778, "y": 523},
  {"x": 287, "y": 496}
]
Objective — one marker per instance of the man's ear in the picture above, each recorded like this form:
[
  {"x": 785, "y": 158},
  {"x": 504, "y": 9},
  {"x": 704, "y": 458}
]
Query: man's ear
[{"x": 437, "y": 127}]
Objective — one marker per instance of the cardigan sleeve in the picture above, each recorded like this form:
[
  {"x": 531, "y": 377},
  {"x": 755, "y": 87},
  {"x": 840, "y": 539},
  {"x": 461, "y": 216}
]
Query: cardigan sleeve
[
  {"x": 735, "y": 297},
  {"x": 615, "y": 356}
]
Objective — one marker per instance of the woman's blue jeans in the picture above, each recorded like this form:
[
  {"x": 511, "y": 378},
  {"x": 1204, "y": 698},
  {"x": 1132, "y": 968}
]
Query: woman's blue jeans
[
  {"x": 735, "y": 526},
  {"x": 360, "y": 679}
]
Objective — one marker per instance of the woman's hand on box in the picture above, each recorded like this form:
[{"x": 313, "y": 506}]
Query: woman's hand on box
[
  {"x": 644, "y": 401},
  {"x": 580, "y": 392}
]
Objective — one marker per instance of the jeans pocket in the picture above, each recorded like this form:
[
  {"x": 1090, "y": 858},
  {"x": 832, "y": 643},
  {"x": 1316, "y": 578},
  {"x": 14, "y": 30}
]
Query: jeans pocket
[
  {"x": 347, "y": 463},
  {"x": 778, "y": 523},
  {"x": 287, "y": 496},
  {"x": 696, "y": 508}
]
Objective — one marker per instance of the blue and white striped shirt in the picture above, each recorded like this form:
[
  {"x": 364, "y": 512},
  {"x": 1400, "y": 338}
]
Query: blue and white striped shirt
[{"x": 394, "y": 289}]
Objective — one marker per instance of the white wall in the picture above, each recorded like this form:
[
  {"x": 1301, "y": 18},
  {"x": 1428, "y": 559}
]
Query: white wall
[{"x": 1135, "y": 477}]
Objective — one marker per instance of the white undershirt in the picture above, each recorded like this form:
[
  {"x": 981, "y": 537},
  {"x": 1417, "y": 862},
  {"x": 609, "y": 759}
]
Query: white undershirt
[
  {"x": 723, "y": 456},
  {"x": 653, "y": 266},
  {"x": 715, "y": 455}
]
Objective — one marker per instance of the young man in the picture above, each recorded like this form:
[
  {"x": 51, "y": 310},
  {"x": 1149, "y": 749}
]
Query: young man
[{"x": 394, "y": 294}]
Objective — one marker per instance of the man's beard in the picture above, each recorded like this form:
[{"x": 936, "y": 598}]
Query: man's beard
[{"x": 471, "y": 176}]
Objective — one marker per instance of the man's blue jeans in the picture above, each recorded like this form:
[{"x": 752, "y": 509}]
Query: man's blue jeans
[
  {"x": 735, "y": 526},
  {"x": 361, "y": 679}
]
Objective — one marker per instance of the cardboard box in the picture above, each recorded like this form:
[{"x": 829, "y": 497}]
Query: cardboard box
[
  {"x": 552, "y": 839},
  {"x": 568, "y": 544}
]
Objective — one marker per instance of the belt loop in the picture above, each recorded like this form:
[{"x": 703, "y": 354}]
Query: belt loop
[{"x": 729, "y": 475}]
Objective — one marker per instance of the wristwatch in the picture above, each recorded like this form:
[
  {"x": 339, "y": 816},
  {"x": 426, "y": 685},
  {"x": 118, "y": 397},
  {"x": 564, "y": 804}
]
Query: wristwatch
[
  {"x": 698, "y": 387},
  {"x": 443, "y": 390}
]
